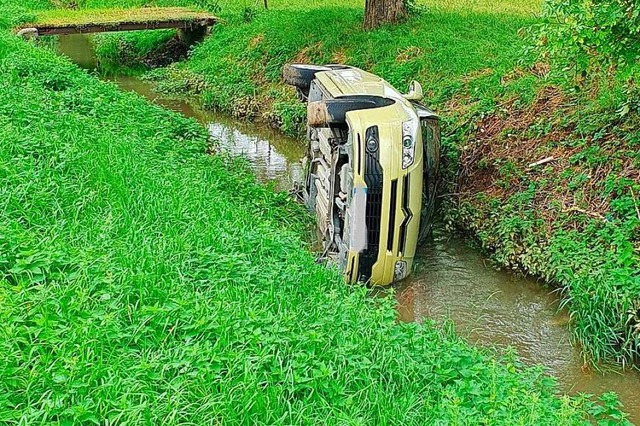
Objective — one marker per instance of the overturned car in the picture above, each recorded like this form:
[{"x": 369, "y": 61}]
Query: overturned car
[{"x": 372, "y": 168}]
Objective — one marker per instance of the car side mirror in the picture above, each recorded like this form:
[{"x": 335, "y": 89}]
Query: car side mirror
[{"x": 415, "y": 92}]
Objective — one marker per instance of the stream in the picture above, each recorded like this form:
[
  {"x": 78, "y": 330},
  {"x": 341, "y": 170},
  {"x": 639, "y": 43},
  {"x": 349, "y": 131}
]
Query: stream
[{"x": 451, "y": 281}]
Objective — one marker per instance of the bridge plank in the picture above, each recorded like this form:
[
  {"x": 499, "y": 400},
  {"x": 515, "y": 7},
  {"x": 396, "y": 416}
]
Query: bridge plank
[{"x": 104, "y": 20}]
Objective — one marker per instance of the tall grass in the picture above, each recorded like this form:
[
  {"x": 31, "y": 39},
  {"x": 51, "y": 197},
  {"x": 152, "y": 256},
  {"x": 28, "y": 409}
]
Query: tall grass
[
  {"x": 132, "y": 52},
  {"x": 470, "y": 57},
  {"x": 145, "y": 282}
]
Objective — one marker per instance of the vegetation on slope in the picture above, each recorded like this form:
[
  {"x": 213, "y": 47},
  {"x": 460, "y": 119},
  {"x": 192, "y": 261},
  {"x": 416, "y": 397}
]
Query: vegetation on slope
[
  {"x": 574, "y": 220},
  {"x": 135, "y": 52},
  {"x": 144, "y": 281},
  {"x": 513, "y": 89}
]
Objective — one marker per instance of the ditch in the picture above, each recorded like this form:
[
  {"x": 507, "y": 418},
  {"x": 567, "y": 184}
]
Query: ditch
[{"x": 452, "y": 282}]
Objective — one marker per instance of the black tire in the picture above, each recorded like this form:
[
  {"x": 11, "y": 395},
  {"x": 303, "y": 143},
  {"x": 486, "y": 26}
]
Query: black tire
[
  {"x": 301, "y": 75},
  {"x": 333, "y": 112}
]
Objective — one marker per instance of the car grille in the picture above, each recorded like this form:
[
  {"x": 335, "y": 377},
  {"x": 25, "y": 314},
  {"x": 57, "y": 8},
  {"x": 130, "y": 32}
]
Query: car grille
[
  {"x": 373, "y": 177},
  {"x": 392, "y": 214},
  {"x": 408, "y": 215}
]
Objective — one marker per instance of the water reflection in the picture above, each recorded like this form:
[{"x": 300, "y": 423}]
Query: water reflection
[
  {"x": 269, "y": 162},
  {"x": 272, "y": 156}
]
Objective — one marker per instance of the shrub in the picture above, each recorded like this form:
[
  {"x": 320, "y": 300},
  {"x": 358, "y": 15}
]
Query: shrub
[{"x": 594, "y": 39}]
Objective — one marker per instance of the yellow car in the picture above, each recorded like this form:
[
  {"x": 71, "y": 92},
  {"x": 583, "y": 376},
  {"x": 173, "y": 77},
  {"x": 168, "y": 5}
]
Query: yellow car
[{"x": 372, "y": 167}]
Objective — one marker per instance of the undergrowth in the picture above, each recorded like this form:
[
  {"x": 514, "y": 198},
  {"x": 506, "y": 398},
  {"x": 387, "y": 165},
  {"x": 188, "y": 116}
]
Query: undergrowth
[
  {"x": 493, "y": 94},
  {"x": 573, "y": 219},
  {"x": 143, "y": 281},
  {"x": 137, "y": 51},
  {"x": 554, "y": 87}
]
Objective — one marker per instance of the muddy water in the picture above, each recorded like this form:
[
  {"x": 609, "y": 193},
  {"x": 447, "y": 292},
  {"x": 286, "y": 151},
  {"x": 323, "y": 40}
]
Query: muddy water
[
  {"x": 272, "y": 156},
  {"x": 498, "y": 309},
  {"x": 451, "y": 281}
]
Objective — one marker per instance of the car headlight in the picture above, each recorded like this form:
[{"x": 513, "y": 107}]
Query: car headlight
[
  {"x": 408, "y": 144},
  {"x": 400, "y": 270}
]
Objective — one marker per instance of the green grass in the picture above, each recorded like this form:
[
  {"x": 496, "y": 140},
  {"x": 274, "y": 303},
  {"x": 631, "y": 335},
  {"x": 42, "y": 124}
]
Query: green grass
[
  {"x": 143, "y": 281},
  {"x": 130, "y": 53},
  {"x": 472, "y": 63},
  {"x": 470, "y": 57}
]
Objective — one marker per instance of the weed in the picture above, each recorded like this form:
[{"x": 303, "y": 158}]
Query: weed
[{"x": 136, "y": 51}]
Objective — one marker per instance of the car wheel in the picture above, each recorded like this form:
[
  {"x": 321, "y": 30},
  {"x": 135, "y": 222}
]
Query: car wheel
[{"x": 301, "y": 75}]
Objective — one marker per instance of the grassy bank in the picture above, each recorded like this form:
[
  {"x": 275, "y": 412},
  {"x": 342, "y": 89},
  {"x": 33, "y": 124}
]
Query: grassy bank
[
  {"x": 136, "y": 52},
  {"x": 573, "y": 220},
  {"x": 144, "y": 281},
  {"x": 456, "y": 62}
]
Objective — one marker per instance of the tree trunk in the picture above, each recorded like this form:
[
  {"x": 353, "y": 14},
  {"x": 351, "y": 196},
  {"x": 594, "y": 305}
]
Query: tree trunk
[{"x": 378, "y": 12}]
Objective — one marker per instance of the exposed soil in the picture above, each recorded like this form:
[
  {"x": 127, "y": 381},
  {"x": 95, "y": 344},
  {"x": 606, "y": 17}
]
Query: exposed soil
[
  {"x": 505, "y": 155},
  {"x": 501, "y": 137}
]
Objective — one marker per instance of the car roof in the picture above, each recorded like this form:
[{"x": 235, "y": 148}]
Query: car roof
[{"x": 351, "y": 81}]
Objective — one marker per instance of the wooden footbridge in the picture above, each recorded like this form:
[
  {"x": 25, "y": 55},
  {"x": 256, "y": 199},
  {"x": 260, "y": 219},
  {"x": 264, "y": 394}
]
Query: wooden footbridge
[{"x": 59, "y": 22}]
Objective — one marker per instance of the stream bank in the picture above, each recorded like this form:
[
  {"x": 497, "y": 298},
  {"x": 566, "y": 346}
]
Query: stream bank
[
  {"x": 451, "y": 281},
  {"x": 572, "y": 220}
]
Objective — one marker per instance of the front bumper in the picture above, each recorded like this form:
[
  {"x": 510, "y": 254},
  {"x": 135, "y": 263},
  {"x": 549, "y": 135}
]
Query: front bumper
[{"x": 393, "y": 200}]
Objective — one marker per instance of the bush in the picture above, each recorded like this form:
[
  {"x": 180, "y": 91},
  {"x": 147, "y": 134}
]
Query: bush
[
  {"x": 129, "y": 53},
  {"x": 591, "y": 32},
  {"x": 594, "y": 39}
]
